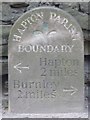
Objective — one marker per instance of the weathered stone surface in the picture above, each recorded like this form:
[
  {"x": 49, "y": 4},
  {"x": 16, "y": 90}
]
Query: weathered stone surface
[
  {"x": 6, "y": 14},
  {"x": 84, "y": 7},
  {"x": 32, "y": 5},
  {"x": 4, "y": 68},
  {"x": 86, "y": 34},
  {"x": 18, "y": 5},
  {"x": 87, "y": 47},
  {"x": 46, "y": 59},
  {"x": 4, "y": 50},
  {"x": 5, "y": 34},
  {"x": 3, "y": 59},
  {"x": 5, "y": 103},
  {"x": 78, "y": 10},
  {"x": 10, "y": 15},
  {"x": 82, "y": 19}
]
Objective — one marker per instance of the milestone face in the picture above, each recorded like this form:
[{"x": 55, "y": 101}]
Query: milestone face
[{"x": 46, "y": 63}]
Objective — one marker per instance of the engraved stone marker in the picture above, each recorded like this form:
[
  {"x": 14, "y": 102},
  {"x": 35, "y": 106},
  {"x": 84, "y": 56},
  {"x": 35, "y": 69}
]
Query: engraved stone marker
[{"x": 46, "y": 63}]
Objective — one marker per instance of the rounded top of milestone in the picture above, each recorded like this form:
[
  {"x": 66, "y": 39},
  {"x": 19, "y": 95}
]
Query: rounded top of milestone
[{"x": 45, "y": 30}]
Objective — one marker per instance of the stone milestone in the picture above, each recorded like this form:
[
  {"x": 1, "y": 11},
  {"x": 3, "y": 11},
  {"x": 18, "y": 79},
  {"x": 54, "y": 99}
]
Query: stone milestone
[{"x": 46, "y": 63}]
